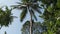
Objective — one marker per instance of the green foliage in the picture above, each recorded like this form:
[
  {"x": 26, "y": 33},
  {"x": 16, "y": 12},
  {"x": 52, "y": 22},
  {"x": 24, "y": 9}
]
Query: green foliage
[
  {"x": 58, "y": 3},
  {"x": 23, "y": 14},
  {"x": 28, "y": 6},
  {"x": 36, "y": 27},
  {"x": 51, "y": 24},
  {"x": 51, "y": 17},
  {"x": 5, "y": 17},
  {"x": 25, "y": 0}
]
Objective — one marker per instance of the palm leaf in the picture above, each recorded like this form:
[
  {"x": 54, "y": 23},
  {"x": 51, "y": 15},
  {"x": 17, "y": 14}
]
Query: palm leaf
[
  {"x": 23, "y": 14},
  {"x": 16, "y": 6},
  {"x": 33, "y": 14},
  {"x": 28, "y": 3},
  {"x": 19, "y": 3},
  {"x": 38, "y": 11},
  {"x": 25, "y": 1},
  {"x": 36, "y": 8}
]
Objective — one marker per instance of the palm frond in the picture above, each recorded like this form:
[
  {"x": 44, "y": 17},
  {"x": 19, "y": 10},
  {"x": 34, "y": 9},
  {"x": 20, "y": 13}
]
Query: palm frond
[
  {"x": 25, "y": 0},
  {"x": 16, "y": 6},
  {"x": 33, "y": 14},
  {"x": 23, "y": 14},
  {"x": 27, "y": 3},
  {"x": 36, "y": 8},
  {"x": 19, "y": 3},
  {"x": 38, "y": 11}
]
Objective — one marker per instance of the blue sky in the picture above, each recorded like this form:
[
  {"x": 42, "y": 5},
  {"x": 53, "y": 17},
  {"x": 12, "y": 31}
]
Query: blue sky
[{"x": 15, "y": 27}]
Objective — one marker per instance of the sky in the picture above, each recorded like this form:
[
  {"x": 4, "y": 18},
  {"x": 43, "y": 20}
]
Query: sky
[{"x": 15, "y": 27}]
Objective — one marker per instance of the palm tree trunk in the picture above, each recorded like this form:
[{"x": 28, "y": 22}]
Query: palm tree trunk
[
  {"x": 31, "y": 26},
  {"x": 31, "y": 23}
]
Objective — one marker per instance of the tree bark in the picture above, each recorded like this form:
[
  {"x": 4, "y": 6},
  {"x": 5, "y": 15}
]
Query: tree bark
[{"x": 30, "y": 23}]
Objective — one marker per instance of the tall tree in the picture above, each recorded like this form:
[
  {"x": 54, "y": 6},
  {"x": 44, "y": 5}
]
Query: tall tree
[
  {"x": 28, "y": 6},
  {"x": 51, "y": 17},
  {"x": 5, "y": 17}
]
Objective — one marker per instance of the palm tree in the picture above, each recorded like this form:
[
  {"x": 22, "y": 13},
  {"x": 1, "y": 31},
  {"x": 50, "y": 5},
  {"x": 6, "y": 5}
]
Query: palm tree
[{"x": 28, "y": 6}]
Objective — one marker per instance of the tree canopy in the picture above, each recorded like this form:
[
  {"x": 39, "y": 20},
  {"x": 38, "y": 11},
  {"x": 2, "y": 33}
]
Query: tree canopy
[
  {"x": 5, "y": 16},
  {"x": 51, "y": 17}
]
